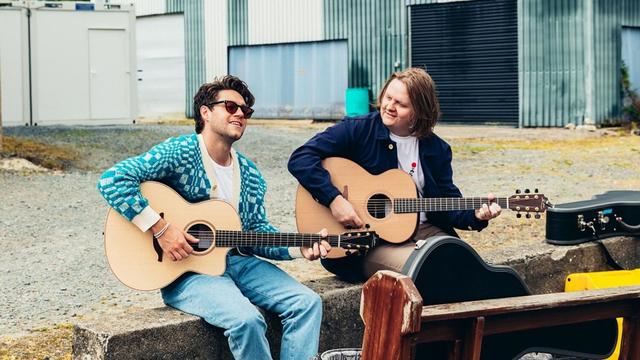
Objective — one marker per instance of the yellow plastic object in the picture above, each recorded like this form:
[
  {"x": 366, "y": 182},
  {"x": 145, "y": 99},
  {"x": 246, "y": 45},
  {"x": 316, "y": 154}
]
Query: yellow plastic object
[{"x": 602, "y": 280}]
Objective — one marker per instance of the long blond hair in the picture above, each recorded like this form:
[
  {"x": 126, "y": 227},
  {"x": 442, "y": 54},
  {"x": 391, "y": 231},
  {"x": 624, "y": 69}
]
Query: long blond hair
[{"x": 422, "y": 94}]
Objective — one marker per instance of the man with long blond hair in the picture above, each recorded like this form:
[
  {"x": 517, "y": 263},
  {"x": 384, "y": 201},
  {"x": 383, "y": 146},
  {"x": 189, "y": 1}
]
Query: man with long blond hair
[{"x": 398, "y": 135}]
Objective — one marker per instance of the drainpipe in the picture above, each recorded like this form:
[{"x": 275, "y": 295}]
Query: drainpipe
[
  {"x": 29, "y": 59},
  {"x": 588, "y": 65}
]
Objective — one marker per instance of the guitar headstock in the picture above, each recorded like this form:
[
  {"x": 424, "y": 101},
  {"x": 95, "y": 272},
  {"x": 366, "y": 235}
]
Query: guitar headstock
[
  {"x": 358, "y": 240},
  {"x": 528, "y": 202}
]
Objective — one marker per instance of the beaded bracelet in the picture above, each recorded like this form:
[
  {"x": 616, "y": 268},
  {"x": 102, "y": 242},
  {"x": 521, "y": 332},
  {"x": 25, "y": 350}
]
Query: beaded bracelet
[{"x": 162, "y": 231}]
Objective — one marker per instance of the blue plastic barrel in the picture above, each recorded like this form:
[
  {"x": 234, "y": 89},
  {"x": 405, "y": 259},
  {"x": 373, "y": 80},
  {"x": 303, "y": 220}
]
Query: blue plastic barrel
[{"x": 357, "y": 101}]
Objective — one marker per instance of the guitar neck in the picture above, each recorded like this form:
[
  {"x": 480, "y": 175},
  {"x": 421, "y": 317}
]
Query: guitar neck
[
  {"x": 412, "y": 205},
  {"x": 227, "y": 238}
]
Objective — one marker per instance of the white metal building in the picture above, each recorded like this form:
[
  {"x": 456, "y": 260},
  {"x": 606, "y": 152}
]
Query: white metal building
[{"x": 67, "y": 63}]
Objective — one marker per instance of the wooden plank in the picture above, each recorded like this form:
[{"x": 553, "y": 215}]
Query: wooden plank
[
  {"x": 527, "y": 320},
  {"x": 476, "y": 308},
  {"x": 390, "y": 309},
  {"x": 473, "y": 339},
  {"x": 455, "y": 352},
  {"x": 630, "y": 347}
]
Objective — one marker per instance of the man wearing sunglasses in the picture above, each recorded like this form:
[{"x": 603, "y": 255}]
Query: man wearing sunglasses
[{"x": 204, "y": 166}]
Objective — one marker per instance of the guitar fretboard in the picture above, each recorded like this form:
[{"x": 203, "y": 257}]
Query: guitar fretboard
[
  {"x": 228, "y": 238},
  {"x": 412, "y": 205}
]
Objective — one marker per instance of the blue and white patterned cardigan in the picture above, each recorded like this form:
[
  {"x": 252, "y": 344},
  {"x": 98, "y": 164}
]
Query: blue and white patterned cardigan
[{"x": 178, "y": 162}]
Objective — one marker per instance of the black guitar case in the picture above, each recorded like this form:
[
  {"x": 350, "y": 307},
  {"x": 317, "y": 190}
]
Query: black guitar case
[
  {"x": 614, "y": 213},
  {"x": 446, "y": 269}
]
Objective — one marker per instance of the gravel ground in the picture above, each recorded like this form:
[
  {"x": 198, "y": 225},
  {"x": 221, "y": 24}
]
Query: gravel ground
[{"x": 53, "y": 266}]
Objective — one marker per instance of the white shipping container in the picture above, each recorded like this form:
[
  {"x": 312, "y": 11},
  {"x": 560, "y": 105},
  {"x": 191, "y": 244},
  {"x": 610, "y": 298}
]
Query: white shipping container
[
  {"x": 14, "y": 71},
  {"x": 82, "y": 63}
]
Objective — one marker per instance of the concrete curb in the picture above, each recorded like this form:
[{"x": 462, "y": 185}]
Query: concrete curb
[{"x": 164, "y": 333}]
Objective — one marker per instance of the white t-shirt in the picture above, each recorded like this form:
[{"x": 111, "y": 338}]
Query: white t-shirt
[
  {"x": 224, "y": 175},
  {"x": 409, "y": 161}
]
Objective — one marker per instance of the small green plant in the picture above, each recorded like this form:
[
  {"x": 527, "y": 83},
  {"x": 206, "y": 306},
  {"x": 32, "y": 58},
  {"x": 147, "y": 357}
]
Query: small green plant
[{"x": 630, "y": 101}]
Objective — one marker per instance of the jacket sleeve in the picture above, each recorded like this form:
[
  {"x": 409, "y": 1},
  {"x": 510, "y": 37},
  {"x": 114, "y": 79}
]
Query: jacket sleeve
[
  {"x": 460, "y": 219},
  {"x": 258, "y": 220},
  {"x": 120, "y": 185},
  {"x": 305, "y": 162}
]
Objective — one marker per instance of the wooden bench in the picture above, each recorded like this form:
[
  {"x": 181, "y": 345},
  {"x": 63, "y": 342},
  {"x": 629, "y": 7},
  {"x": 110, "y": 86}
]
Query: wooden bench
[{"x": 395, "y": 320}]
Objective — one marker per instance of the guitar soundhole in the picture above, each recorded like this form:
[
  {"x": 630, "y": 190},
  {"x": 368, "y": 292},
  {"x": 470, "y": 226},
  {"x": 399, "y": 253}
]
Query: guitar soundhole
[
  {"x": 203, "y": 233},
  {"x": 379, "y": 206}
]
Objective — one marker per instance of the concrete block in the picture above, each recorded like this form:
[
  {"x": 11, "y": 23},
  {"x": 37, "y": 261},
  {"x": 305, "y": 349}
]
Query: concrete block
[{"x": 164, "y": 333}]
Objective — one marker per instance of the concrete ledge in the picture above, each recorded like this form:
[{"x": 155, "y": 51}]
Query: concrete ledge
[{"x": 164, "y": 333}]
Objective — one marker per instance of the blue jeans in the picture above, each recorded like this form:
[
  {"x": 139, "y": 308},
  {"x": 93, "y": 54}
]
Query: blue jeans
[{"x": 227, "y": 301}]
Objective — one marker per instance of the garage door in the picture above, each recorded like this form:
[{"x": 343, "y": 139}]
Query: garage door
[
  {"x": 470, "y": 49},
  {"x": 296, "y": 80}
]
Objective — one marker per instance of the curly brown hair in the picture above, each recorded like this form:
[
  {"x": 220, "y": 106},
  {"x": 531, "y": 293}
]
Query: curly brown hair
[
  {"x": 208, "y": 94},
  {"x": 424, "y": 100}
]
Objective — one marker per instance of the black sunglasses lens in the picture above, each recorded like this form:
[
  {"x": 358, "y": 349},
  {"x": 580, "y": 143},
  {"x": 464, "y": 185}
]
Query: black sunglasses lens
[
  {"x": 231, "y": 107},
  {"x": 247, "y": 111}
]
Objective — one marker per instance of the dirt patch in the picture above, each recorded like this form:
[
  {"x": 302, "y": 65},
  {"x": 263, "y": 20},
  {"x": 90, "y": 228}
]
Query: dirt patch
[
  {"x": 46, "y": 343},
  {"x": 20, "y": 164},
  {"x": 35, "y": 153}
]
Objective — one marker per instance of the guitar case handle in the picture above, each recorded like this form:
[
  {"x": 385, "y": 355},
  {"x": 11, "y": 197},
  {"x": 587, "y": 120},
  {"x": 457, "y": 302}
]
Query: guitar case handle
[{"x": 631, "y": 228}]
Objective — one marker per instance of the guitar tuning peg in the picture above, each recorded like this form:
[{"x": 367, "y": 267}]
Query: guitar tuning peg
[
  {"x": 517, "y": 191},
  {"x": 537, "y": 216},
  {"x": 526, "y": 191},
  {"x": 528, "y": 216},
  {"x": 518, "y": 215}
]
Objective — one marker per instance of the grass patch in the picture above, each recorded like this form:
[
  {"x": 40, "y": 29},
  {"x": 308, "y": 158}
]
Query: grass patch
[
  {"x": 49, "y": 156},
  {"x": 467, "y": 149},
  {"x": 45, "y": 343},
  {"x": 594, "y": 143}
]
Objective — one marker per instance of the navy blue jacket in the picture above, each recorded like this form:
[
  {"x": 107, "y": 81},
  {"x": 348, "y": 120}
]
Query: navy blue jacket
[{"x": 365, "y": 140}]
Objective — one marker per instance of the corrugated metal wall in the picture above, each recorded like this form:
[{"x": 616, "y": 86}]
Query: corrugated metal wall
[
  {"x": 195, "y": 61},
  {"x": 377, "y": 37},
  {"x": 553, "y": 64},
  {"x": 238, "y": 25},
  {"x": 215, "y": 37},
  {"x": 283, "y": 21},
  {"x": 569, "y": 50},
  {"x": 609, "y": 17},
  {"x": 174, "y": 6},
  {"x": 569, "y": 59}
]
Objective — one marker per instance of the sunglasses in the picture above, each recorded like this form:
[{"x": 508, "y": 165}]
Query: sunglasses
[{"x": 232, "y": 108}]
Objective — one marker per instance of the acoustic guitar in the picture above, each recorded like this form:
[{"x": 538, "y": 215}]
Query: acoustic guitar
[
  {"x": 389, "y": 204},
  {"x": 137, "y": 260}
]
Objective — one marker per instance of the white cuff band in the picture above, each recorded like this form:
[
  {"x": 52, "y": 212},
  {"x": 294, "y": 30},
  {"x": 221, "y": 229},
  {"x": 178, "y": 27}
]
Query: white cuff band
[
  {"x": 295, "y": 253},
  {"x": 145, "y": 220}
]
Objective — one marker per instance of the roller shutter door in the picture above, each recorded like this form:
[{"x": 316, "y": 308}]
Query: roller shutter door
[{"x": 470, "y": 48}]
